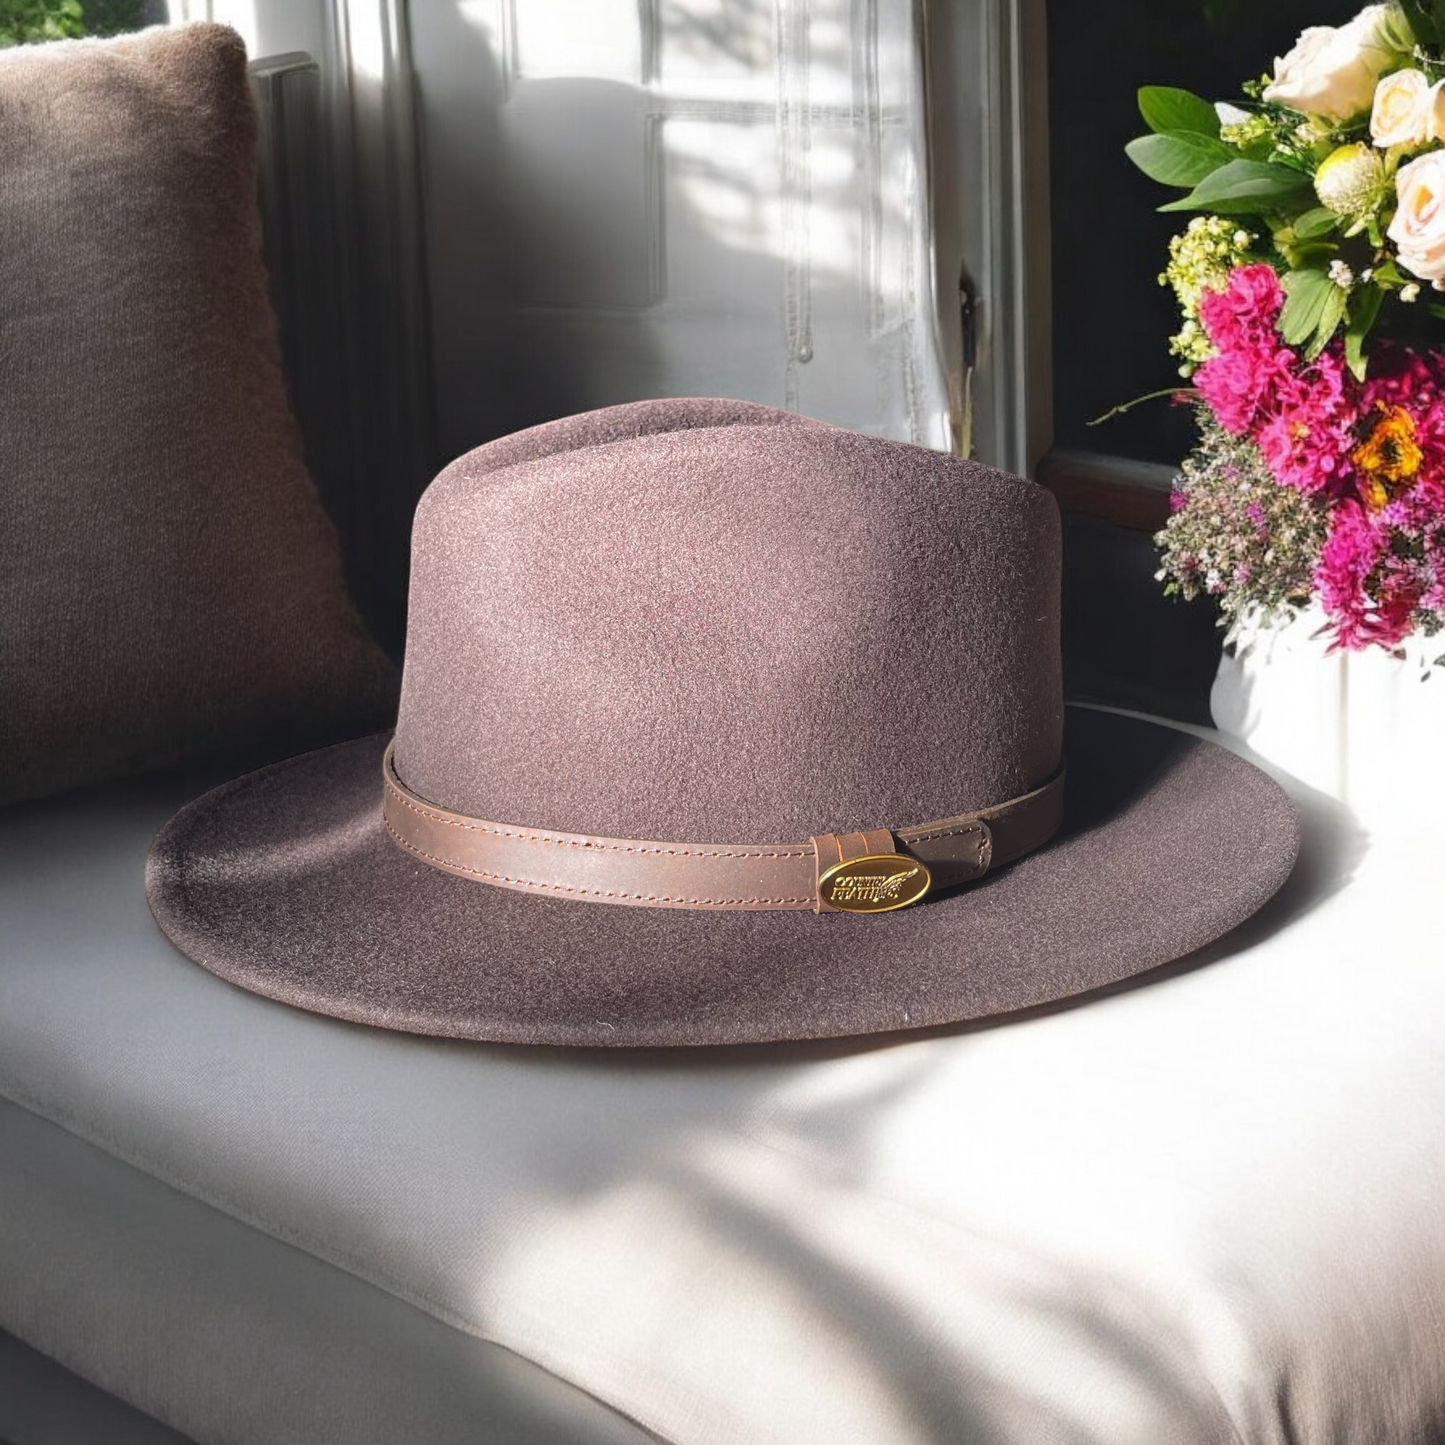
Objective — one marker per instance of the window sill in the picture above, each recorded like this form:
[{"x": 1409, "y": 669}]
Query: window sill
[{"x": 1109, "y": 489}]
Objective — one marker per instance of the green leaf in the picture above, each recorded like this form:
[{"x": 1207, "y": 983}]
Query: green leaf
[
  {"x": 1314, "y": 224},
  {"x": 1308, "y": 294},
  {"x": 1427, "y": 20},
  {"x": 1313, "y": 257},
  {"x": 1166, "y": 109},
  {"x": 1328, "y": 324},
  {"x": 1178, "y": 158},
  {"x": 1364, "y": 308},
  {"x": 1248, "y": 188}
]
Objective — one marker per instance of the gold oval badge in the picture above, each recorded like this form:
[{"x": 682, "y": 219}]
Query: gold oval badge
[{"x": 877, "y": 883}]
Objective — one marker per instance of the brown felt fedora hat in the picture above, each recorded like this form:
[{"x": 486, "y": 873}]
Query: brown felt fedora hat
[{"x": 720, "y": 725}]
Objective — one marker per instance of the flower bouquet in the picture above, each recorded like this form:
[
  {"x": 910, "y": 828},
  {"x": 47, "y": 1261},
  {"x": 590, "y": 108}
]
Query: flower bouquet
[{"x": 1311, "y": 277}]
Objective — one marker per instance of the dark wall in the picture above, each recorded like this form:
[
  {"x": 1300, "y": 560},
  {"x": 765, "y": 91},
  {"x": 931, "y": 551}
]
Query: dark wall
[
  {"x": 1112, "y": 321},
  {"x": 1125, "y": 643}
]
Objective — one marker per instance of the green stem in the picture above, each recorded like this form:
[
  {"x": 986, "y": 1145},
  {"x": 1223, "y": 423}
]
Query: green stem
[{"x": 1130, "y": 405}]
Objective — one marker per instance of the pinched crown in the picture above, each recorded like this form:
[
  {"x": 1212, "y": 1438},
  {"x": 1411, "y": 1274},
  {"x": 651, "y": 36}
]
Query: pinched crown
[{"x": 716, "y": 621}]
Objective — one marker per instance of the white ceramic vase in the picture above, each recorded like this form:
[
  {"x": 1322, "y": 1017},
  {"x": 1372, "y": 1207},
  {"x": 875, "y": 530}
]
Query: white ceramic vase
[{"x": 1365, "y": 727}]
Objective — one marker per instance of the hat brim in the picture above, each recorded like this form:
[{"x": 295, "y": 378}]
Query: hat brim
[{"x": 285, "y": 883}]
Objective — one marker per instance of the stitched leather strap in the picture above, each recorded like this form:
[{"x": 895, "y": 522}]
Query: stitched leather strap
[{"x": 756, "y": 876}]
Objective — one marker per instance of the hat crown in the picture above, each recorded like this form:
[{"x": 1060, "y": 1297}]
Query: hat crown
[{"x": 719, "y": 622}]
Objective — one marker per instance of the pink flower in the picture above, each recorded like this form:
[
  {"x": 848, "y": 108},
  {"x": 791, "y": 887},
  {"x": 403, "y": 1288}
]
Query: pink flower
[
  {"x": 1397, "y": 591},
  {"x": 1370, "y": 457},
  {"x": 1415, "y": 381},
  {"x": 1432, "y": 599},
  {"x": 1308, "y": 438},
  {"x": 1245, "y": 381},
  {"x": 1243, "y": 315},
  {"x": 1346, "y": 561},
  {"x": 1416, "y": 522},
  {"x": 1354, "y": 555},
  {"x": 1242, "y": 386}
]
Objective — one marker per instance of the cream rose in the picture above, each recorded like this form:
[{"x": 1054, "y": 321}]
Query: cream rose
[
  {"x": 1418, "y": 229},
  {"x": 1404, "y": 110},
  {"x": 1435, "y": 112},
  {"x": 1332, "y": 70}
]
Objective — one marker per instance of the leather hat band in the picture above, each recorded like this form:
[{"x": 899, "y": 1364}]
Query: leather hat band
[{"x": 873, "y": 872}]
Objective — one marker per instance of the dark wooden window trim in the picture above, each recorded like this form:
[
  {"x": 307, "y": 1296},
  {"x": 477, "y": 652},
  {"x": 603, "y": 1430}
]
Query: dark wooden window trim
[{"x": 1120, "y": 490}]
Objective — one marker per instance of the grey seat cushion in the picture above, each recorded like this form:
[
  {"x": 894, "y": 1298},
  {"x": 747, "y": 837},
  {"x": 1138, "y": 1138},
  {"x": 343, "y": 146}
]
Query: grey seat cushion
[
  {"x": 216, "y": 1324},
  {"x": 1203, "y": 1208},
  {"x": 231, "y": 1334}
]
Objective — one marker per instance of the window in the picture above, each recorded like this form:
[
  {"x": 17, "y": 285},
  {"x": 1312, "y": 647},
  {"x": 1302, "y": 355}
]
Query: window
[{"x": 26, "y": 22}]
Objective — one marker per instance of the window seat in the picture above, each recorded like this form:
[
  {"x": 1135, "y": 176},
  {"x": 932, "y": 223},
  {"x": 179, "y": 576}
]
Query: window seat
[{"x": 1204, "y": 1207}]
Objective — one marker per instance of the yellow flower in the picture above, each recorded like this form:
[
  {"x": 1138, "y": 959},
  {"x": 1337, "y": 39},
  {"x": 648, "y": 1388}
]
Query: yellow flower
[
  {"x": 1388, "y": 457},
  {"x": 1351, "y": 180},
  {"x": 1373, "y": 493},
  {"x": 1200, "y": 260}
]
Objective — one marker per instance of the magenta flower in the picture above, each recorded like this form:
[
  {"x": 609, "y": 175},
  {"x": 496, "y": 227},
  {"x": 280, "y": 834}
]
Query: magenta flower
[
  {"x": 1400, "y": 377},
  {"x": 1354, "y": 556},
  {"x": 1242, "y": 386},
  {"x": 1243, "y": 381},
  {"x": 1364, "y": 463},
  {"x": 1308, "y": 438},
  {"x": 1243, "y": 315}
]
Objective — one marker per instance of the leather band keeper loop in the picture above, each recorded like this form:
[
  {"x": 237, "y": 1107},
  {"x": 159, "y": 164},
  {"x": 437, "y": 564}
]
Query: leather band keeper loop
[{"x": 749, "y": 876}]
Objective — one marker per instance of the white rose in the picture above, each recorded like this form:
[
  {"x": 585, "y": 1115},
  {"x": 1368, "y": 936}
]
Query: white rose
[
  {"x": 1435, "y": 112},
  {"x": 1418, "y": 229},
  {"x": 1332, "y": 70},
  {"x": 1403, "y": 112}
]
